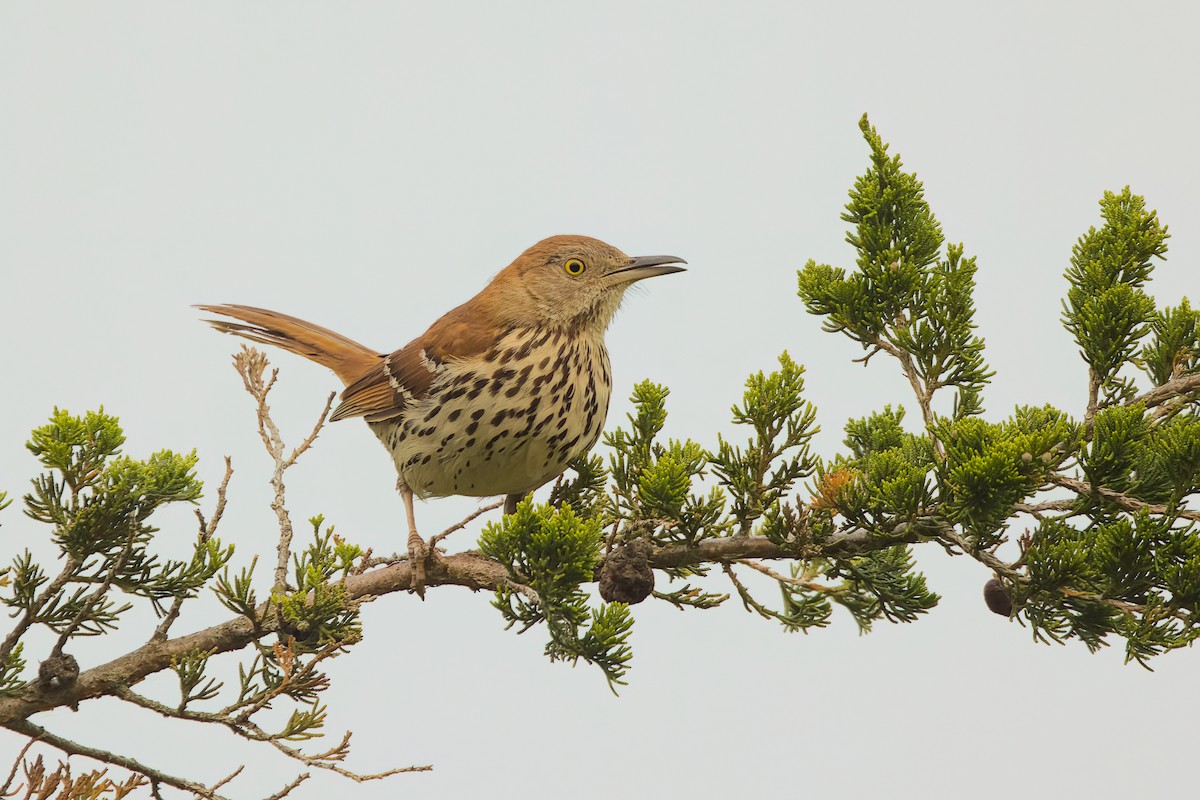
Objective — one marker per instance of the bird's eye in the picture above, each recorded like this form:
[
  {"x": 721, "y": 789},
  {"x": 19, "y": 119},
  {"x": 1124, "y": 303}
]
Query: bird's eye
[{"x": 574, "y": 266}]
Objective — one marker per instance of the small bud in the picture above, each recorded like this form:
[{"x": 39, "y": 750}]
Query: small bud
[
  {"x": 996, "y": 595},
  {"x": 1047, "y": 458},
  {"x": 1027, "y": 458},
  {"x": 626, "y": 575}
]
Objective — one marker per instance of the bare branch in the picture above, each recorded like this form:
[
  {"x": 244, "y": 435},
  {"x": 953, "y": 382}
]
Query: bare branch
[
  {"x": 228, "y": 778},
  {"x": 243, "y": 726}
]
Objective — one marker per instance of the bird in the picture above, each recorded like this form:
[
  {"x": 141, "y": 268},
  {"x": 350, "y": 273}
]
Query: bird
[{"x": 500, "y": 394}]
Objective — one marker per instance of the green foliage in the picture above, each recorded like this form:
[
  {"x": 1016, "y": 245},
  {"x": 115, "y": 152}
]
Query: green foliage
[
  {"x": 549, "y": 553},
  {"x": 655, "y": 487},
  {"x": 1116, "y": 560},
  {"x": 11, "y": 670},
  {"x": 1137, "y": 577},
  {"x": 585, "y": 493},
  {"x": 194, "y": 685},
  {"x": 1131, "y": 453},
  {"x": 319, "y": 612},
  {"x": 904, "y": 298},
  {"x": 236, "y": 592},
  {"x": 1117, "y": 556},
  {"x": 891, "y": 468},
  {"x": 1173, "y": 349},
  {"x": 990, "y": 468},
  {"x": 98, "y": 504},
  {"x": 1107, "y": 310},
  {"x": 760, "y": 475},
  {"x": 882, "y": 584}
]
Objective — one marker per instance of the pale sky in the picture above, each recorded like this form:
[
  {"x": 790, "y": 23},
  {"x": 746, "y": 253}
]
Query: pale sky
[{"x": 370, "y": 165}]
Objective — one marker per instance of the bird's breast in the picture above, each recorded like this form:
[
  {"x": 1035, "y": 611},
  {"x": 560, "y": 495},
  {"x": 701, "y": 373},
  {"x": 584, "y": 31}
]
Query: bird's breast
[{"x": 506, "y": 421}]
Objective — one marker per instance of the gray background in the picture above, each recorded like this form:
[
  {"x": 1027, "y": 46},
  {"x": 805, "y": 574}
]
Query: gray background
[{"x": 370, "y": 165}]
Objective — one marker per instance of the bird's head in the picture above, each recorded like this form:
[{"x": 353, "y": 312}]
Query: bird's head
[{"x": 570, "y": 280}]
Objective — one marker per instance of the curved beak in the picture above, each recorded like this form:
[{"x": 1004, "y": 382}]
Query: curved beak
[{"x": 648, "y": 267}]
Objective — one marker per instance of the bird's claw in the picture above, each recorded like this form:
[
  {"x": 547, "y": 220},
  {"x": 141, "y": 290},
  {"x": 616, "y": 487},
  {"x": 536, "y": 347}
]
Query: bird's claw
[{"x": 417, "y": 554}]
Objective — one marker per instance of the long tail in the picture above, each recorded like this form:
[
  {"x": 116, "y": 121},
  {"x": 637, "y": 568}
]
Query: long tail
[{"x": 348, "y": 359}]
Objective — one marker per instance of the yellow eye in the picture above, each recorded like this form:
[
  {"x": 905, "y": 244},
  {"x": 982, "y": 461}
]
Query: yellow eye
[{"x": 574, "y": 267}]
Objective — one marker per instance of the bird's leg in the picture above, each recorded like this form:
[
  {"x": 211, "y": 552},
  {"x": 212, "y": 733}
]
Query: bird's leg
[
  {"x": 416, "y": 545},
  {"x": 510, "y": 502}
]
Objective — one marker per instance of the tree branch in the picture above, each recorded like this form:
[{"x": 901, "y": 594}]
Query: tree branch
[
  {"x": 1122, "y": 501},
  {"x": 1175, "y": 387},
  {"x": 469, "y": 569}
]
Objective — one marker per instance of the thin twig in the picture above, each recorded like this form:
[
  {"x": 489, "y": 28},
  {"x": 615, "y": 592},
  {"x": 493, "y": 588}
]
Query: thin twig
[
  {"x": 302, "y": 448},
  {"x": 286, "y": 790},
  {"x": 243, "y": 726},
  {"x": 207, "y": 530},
  {"x": 748, "y": 601},
  {"x": 31, "y": 614},
  {"x": 73, "y": 748},
  {"x": 88, "y": 604},
  {"x": 337, "y": 753},
  {"x": 924, "y": 395},
  {"x": 464, "y": 522},
  {"x": 251, "y": 364},
  {"x": 228, "y": 778},
  {"x": 811, "y": 586},
  {"x": 1122, "y": 501},
  {"x": 16, "y": 765}
]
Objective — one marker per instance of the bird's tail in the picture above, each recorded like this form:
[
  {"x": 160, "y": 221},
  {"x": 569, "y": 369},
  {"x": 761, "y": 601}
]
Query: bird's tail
[{"x": 348, "y": 359}]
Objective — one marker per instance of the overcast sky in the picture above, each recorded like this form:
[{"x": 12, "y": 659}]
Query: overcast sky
[{"x": 370, "y": 165}]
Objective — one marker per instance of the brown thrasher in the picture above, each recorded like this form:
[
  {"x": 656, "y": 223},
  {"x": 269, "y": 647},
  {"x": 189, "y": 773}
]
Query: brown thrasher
[{"x": 500, "y": 393}]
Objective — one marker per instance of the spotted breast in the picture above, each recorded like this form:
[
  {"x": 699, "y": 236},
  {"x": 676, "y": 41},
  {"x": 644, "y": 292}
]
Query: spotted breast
[{"x": 505, "y": 421}]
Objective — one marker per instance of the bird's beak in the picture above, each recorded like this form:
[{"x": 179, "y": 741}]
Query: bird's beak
[{"x": 647, "y": 267}]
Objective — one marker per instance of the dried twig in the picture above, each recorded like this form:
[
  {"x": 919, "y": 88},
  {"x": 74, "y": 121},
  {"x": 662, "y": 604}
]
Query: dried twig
[
  {"x": 70, "y": 747},
  {"x": 251, "y": 364}
]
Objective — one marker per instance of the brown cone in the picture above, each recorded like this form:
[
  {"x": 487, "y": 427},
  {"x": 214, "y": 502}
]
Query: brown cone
[
  {"x": 996, "y": 595},
  {"x": 626, "y": 575}
]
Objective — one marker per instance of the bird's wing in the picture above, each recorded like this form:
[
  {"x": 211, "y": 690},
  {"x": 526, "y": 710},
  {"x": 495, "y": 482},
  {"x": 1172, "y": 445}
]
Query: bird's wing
[{"x": 407, "y": 374}]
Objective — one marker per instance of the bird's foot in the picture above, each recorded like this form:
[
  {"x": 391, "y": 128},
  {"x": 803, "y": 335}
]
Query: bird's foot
[{"x": 417, "y": 554}]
